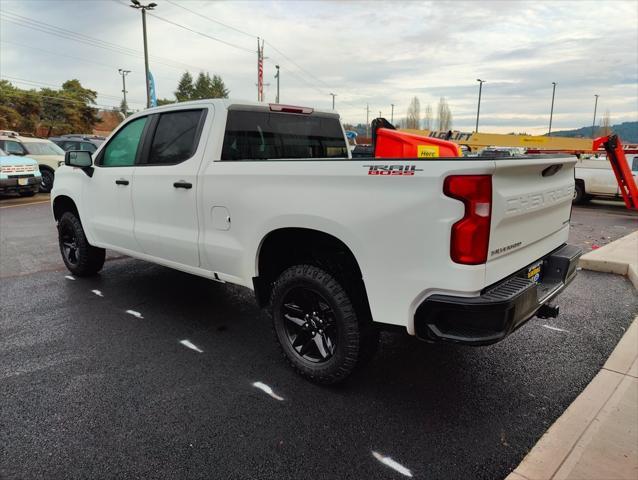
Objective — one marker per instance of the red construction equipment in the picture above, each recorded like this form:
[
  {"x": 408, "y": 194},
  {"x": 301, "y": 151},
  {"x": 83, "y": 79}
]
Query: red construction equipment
[
  {"x": 620, "y": 166},
  {"x": 391, "y": 143}
]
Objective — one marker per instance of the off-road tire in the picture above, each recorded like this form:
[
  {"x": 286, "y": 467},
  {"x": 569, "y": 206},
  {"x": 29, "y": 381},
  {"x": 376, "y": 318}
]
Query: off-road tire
[
  {"x": 356, "y": 339},
  {"x": 88, "y": 260}
]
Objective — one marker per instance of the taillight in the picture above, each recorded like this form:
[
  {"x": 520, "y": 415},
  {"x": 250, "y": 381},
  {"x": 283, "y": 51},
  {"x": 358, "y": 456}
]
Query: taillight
[{"x": 471, "y": 235}]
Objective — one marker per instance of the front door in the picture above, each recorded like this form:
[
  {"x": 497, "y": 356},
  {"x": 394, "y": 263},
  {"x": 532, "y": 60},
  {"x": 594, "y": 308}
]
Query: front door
[
  {"x": 165, "y": 187},
  {"x": 109, "y": 191}
]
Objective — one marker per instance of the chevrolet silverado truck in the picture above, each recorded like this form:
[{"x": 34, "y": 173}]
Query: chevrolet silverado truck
[{"x": 267, "y": 196}]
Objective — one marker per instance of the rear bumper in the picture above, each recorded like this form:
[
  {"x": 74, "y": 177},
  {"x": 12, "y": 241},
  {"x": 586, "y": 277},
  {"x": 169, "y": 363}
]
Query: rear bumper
[
  {"x": 11, "y": 184},
  {"x": 500, "y": 309}
]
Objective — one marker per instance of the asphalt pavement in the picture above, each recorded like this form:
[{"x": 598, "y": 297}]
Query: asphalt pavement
[{"x": 145, "y": 372}]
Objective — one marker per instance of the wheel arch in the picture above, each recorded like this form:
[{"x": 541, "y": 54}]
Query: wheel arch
[
  {"x": 62, "y": 204},
  {"x": 287, "y": 246}
]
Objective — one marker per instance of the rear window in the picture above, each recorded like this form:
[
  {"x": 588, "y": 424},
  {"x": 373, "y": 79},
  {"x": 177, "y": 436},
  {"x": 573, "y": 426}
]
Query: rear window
[{"x": 269, "y": 136}]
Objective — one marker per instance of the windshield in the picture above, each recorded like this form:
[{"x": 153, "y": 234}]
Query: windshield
[
  {"x": 3, "y": 153},
  {"x": 42, "y": 148}
]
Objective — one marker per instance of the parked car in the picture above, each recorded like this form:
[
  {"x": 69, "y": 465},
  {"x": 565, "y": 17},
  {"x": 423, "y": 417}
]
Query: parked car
[
  {"x": 48, "y": 155},
  {"x": 268, "y": 197},
  {"x": 594, "y": 177},
  {"x": 78, "y": 142},
  {"x": 19, "y": 175}
]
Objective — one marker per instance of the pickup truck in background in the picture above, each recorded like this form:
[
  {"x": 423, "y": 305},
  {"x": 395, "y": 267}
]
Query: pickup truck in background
[
  {"x": 267, "y": 196},
  {"x": 595, "y": 177}
]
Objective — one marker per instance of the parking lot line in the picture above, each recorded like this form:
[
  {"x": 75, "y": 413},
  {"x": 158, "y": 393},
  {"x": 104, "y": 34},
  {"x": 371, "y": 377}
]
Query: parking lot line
[{"x": 25, "y": 204}]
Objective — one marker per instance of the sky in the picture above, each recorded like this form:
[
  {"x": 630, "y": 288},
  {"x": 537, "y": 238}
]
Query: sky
[{"x": 374, "y": 53}]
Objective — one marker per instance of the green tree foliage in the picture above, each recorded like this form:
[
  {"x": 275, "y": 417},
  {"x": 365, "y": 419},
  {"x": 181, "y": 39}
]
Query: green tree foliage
[
  {"x": 184, "y": 88},
  {"x": 69, "y": 109},
  {"x": 203, "y": 87}
]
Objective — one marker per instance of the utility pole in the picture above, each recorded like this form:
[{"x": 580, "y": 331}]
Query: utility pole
[
  {"x": 593, "y": 125},
  {"x": 124, "y": 73},
  {"x": 392, "y": 114},
  {"x": 551, "y": 113},
  {"x": 277, "y": 77},
  {"x": 478, "y": 109},
  {"x": 367, "y": 120},
  {"x": 333, "y": 99},
  {"x": 137, "y": 5}
]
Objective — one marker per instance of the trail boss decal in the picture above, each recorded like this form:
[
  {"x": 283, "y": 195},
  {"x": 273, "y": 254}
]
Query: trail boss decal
[{"x": 394, "y": 170}]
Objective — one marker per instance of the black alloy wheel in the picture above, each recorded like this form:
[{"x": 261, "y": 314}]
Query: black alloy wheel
[{"x": 310, "y": 324}]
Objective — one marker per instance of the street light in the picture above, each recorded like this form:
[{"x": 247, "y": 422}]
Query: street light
[
  {"x": 137, "y": 5},
  {"x": 593, "y": 124},
  {"x": 392, "y": 114},
  {"x": 478, "y": 108},
  {"x": 333, "y": 99},
  {"x": 551, "y": 113},
  {"x": 277, "y": 77}
]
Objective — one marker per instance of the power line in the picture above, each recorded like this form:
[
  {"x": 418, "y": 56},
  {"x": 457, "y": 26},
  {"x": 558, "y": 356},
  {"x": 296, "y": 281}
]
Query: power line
[
  {"x": 82, "y": 59},
  {"x": 255, "y": 36},
  {"x": 212, "y": 19},
  {"x": 27, "y": 22},
  {"x": 199, "y": 33}
]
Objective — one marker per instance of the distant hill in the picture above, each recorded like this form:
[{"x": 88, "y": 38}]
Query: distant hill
[{"x": 628, "y": 132}]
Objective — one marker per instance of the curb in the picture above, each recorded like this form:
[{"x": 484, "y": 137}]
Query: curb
[
  {"x": 597, "y": 436},
  {"x": 620, "y": 257}
]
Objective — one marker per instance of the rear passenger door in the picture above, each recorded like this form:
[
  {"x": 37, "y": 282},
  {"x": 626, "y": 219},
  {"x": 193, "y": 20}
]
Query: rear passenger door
[{"x": 165, "y": 186}]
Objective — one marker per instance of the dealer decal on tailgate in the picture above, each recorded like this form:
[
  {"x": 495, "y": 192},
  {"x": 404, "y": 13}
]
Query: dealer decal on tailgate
[{"x": 394, "y": 170}]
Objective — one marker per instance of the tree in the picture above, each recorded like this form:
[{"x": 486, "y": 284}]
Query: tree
[
  {"x": 605, "y": 125},
  {"x": 184, "y": 88},
  {"x": 414, "y": 114},
  {"x": 164, "y": 101},
  {"x": 206, "y": 87},
  {"x": 444, "y": 121},
  {"x": 219, "y": 88},
  {"x": 427, "y": 120}
]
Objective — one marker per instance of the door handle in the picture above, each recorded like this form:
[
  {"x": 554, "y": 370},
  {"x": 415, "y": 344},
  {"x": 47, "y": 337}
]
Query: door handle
[
  {"x": 182, "y": 184},
  {"x": 121, "y": 182}
]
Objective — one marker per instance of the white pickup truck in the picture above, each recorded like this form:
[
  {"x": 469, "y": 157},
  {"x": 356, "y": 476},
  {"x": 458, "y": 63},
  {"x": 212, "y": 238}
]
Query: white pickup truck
[
  {"x": 266, "y": 196},
  {"x": 595, "y": 178}
]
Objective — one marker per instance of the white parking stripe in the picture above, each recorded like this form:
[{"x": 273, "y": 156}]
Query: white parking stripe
[
  {"x": 97, "y": 292},
  {"x": 69, "y": 277},
  {"x": 188, "y": 344},
  {"x": 392, "y": 464},
  {"x": 26, "y": 204},
  {"x": 555, "y": 328},
  {"x": 134, "y": 313},
  {"x": 268, "y": 390}
]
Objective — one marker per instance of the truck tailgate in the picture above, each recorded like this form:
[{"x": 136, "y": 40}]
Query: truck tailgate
[{"x": 531, "y": 208}]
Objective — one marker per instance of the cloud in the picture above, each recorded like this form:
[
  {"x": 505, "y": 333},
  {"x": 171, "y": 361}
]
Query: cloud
[{"x": 368, "y": 53}]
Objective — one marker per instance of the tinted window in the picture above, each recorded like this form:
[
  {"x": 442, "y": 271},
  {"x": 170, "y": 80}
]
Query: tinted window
[
  {"x": 634, "y": 165},
  {"x": 88, "y": 146},
  {"x": 42, "y": 148},
  {"x": 122, "y": 149},
  {"x": 69, "y": 145},
  {"x": 175, "y": 138},
  {"x": 269, "y": 135},
  {"x": 12, "y": 147}
]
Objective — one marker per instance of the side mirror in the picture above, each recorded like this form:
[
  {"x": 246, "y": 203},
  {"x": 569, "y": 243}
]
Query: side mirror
[{"x": 80, "y": 159}]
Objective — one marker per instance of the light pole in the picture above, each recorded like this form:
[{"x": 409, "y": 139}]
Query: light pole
[
  {"x": 551, "y": 112},
  {"x": 277, "y": 77},
  {"x": 478, "y": 108},
  {"x": 333, "y": 99},
  {"x": 367, "y": 120},
  {"x": 593, "y": 124},
  {"x": 124, "y": 73},
  {"x": 392, "y": 114},
  {"x": 137, "y": 5}
]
